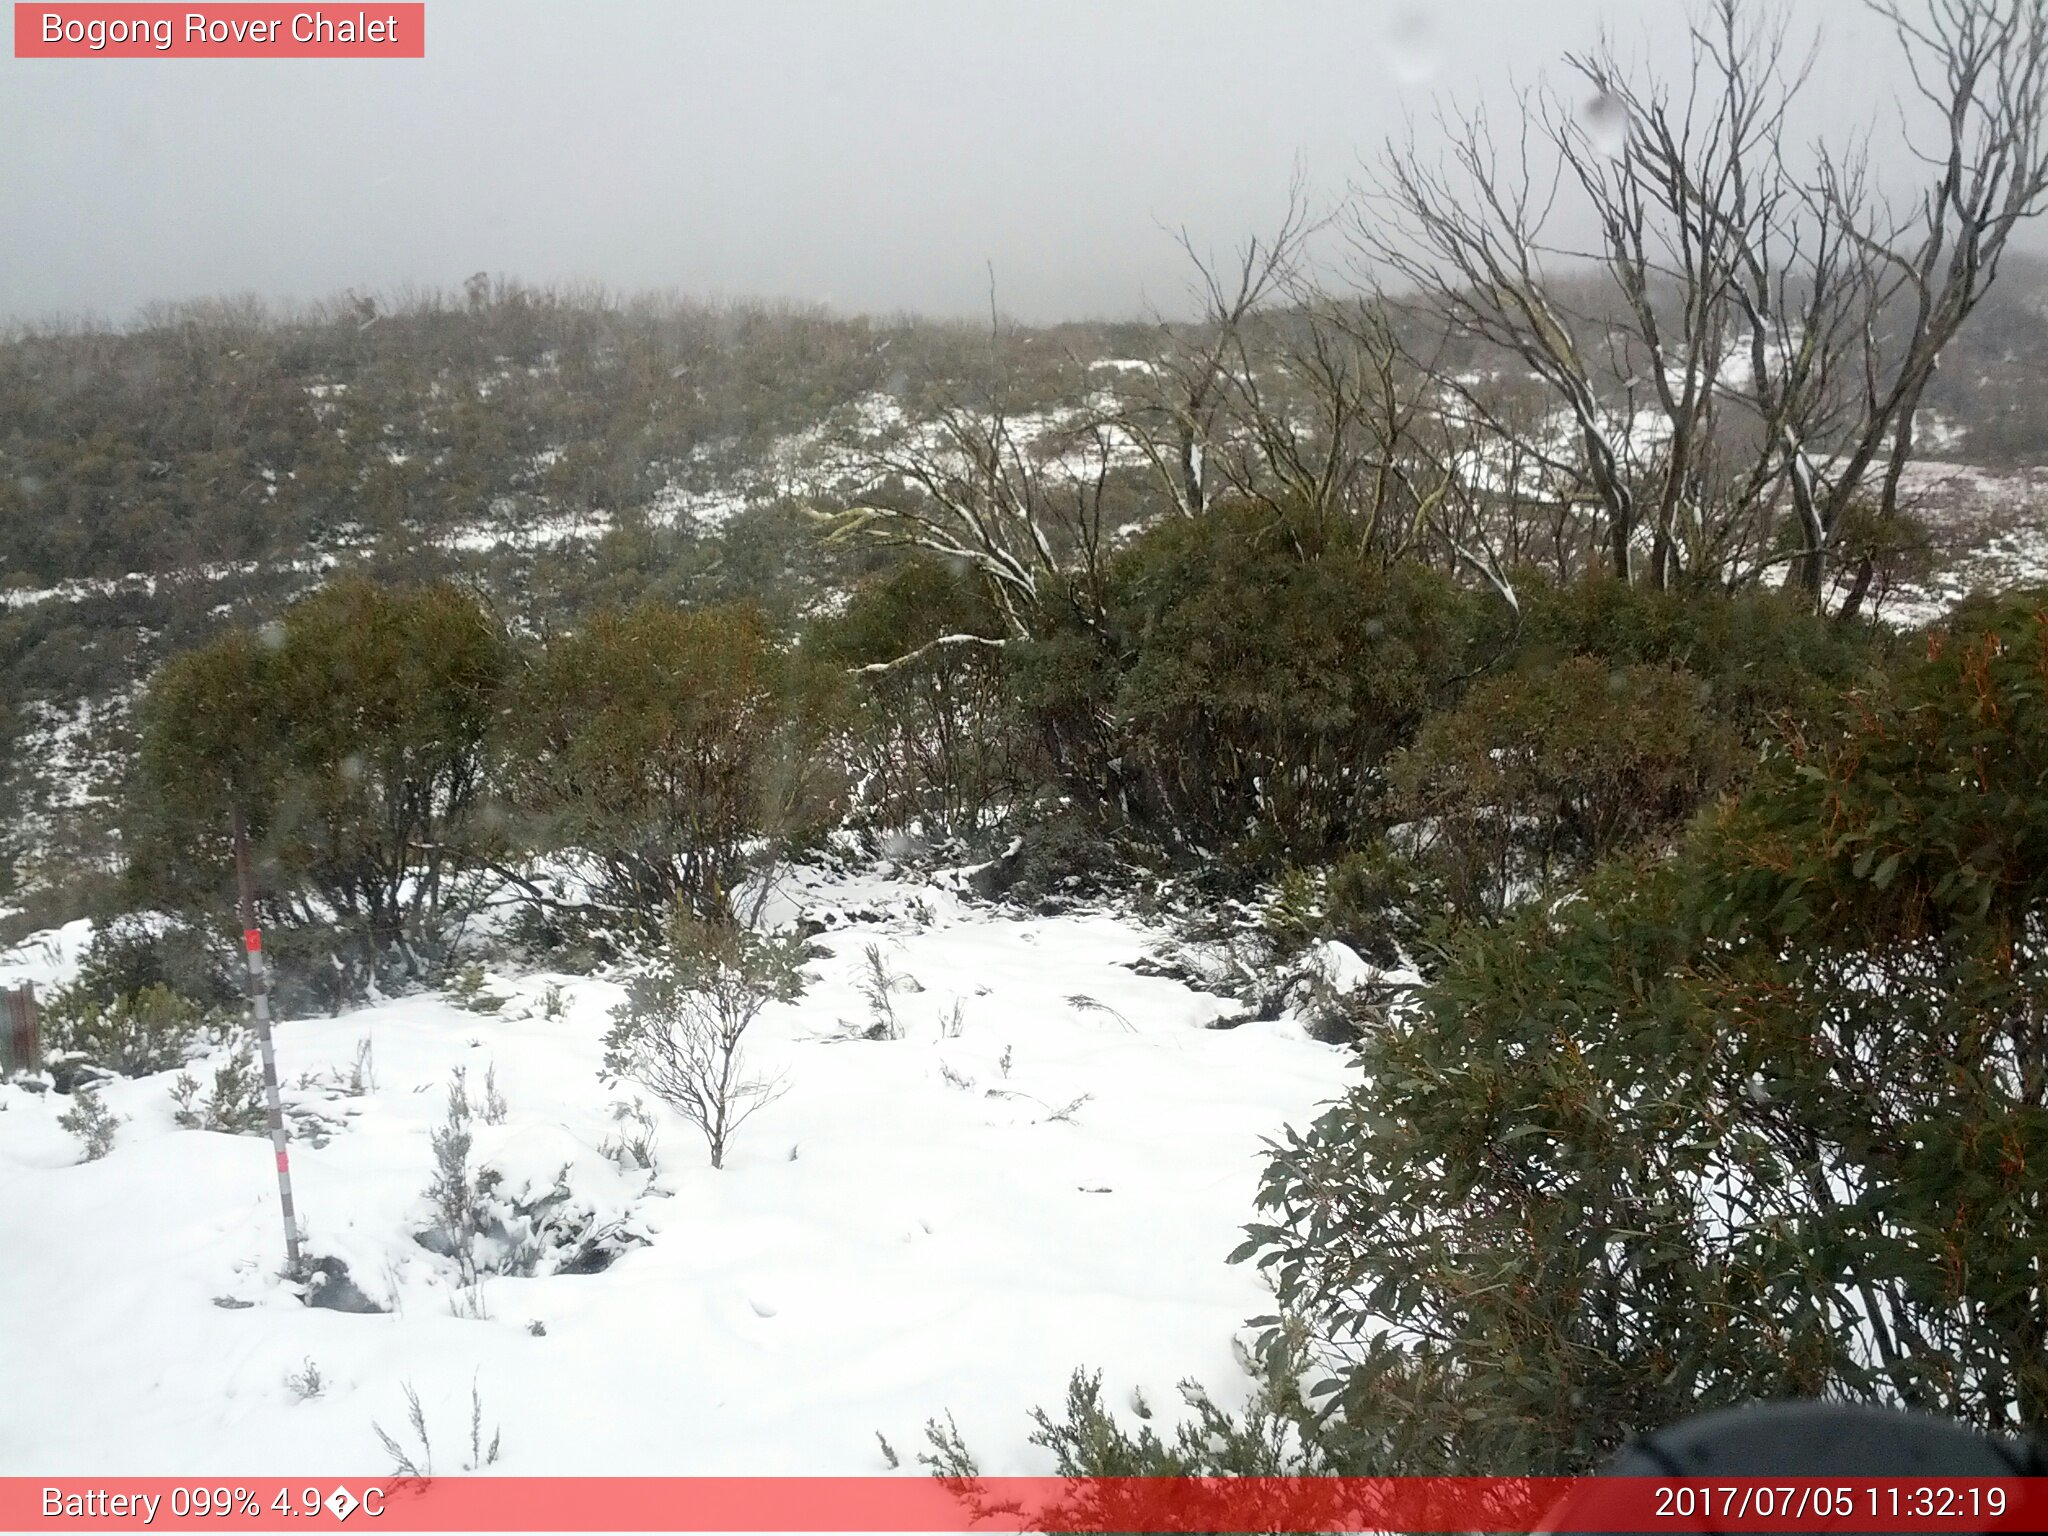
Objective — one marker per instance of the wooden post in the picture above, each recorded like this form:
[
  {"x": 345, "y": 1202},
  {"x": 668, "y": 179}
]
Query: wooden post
[
  {"x": 21, "y": 1043},
  {"x": 259, "y": 1000}
]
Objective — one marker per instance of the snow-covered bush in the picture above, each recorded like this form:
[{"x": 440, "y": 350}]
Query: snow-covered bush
[
  {"x": 551, "y": 1205},
  {"x": 529, "y": 1202},
  {"x": 469, "y": 989},
  {"x": 495, "y": 1106},
  {"x": 91, "y": 1122},
  {"x": 458, "y": 1207},
  {"x": 152, "y": 1030},
  {"x": 632, "y": 1150},
  {"x": 236, "y": 1103}
]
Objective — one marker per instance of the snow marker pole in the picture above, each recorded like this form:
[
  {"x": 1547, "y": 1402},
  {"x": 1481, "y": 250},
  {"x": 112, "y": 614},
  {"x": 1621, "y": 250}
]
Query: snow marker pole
[{"x": 259, "y": 997}]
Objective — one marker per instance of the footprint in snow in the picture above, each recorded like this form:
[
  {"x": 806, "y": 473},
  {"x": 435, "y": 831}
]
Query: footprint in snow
[{"x": 762, "y": 1308}]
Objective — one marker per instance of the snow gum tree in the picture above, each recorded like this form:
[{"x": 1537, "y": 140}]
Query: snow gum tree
[{"x": 1734, "y": 361}]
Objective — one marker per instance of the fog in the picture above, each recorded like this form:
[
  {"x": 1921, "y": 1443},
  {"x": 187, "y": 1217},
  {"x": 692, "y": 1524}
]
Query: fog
[{"x": 869, "y": 154}]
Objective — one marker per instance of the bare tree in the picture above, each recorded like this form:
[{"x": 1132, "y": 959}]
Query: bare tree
[
  {"x": 1176, "y": 417},
  {"x": 1764, "y": 321},
  {"x": 1018, "y": 500},
  {"x": 1016, "y": 495},
  {"x": 1287, "y": 395}
]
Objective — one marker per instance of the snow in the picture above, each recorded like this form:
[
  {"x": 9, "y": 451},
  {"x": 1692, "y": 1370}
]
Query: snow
[
  {"x": 1990, "y": 531},
  {"x": 45, "y": 959},
  {"x": 1341, "y": 965},
  {"x": 918, "y": 1225}
]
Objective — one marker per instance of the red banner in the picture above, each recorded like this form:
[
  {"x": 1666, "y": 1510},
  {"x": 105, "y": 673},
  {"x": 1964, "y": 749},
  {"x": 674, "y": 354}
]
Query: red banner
[
  {"x": 100, "y": 31},
  {"x": 919, "y": 1504}
]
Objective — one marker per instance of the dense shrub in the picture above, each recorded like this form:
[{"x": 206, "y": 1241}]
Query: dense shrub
[
  {"x": 1767, "y": 1119},
  {"x": 670, "y": 747},
  {"x": 1761, "y": 656},
  {"x": 934, "y": 740},
  {"x": 1262, "y": 685},
  {"x": 133, "y": 953},
  {"x": 352, "y": 740},
  {"x": 152, "y": 1030},
  {"x": 1378, "y": 901},
  {"x": 1537, "y": 775}
]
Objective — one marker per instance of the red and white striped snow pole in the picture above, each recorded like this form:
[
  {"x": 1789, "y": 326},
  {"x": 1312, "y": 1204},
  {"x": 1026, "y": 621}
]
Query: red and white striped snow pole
[{"x": 259, "y": 997}]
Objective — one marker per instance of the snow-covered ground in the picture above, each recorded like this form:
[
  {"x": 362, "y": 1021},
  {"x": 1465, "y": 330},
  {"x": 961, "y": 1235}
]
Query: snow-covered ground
[
  {"x": 1990, "y": 532},
  {"x": 919, "y": 1224}
]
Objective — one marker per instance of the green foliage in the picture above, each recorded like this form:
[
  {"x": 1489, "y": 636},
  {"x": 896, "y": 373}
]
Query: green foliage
[
  {"x": 1762, "y": 657},
  {"x": 91, "y": 1122},
  {"x": 1063, "y": 853},
  {"x": 142, "y": 1032},
  {"x": 1538, "y": 775},
  {"x": 934, "y": 740},
  {"x": 210, "y": 741},
  {"x": 1378, "y": 901},
  {"x": 352, "y": 739},
  {"x": 130, "y": 955},
  {"x": 236, "y": 1103},
  {"x": 669, "y": 746},
  {"x": 1263, "y": 685},
  {"x": 1768, "y": 1119},
  {"x": 469, "y": 989},
  {"x": 1088, "y": 1440}
]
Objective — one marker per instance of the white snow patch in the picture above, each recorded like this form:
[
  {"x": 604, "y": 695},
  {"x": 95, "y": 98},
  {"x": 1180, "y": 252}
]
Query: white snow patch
[{"x": 918, "y": 1225}]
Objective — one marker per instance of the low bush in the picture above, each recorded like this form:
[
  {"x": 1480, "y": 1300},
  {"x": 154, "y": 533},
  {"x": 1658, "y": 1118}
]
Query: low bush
[
  {"x": 235, "y": 1104},
  {"x": 681, "y": 1032},
  {"x": 1536, "y": 776},
  {"x": 152, "y": 1030},
  {"x": 91, "y": 1122},
  {"x": 934, "y": 739}
]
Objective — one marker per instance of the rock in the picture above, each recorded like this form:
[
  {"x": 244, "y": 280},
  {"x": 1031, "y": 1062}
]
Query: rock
[
  {"x": 329, "y": 1288},
  {"x": 993, "y": 880},
  {"x": 70, "y": 1073},
  {"x": 598, "y": 1254}
]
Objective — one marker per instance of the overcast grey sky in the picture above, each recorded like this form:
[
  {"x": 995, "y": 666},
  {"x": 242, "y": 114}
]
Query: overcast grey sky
[{"x": 872, "y": 154}]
